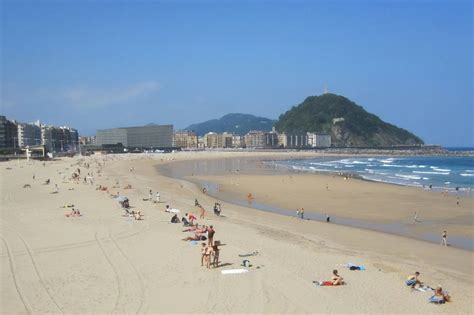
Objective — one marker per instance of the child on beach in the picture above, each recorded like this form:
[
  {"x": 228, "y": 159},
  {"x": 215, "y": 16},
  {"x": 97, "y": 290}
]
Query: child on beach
[
  {"x": 440, "y": 296},
  {"x": 412, "y": 280}
]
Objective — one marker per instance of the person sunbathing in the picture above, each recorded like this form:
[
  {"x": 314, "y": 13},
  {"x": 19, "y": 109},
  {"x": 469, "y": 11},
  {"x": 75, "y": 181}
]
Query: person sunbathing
[
  {"x": 195, "y": 238},
  {"x": 74, "y": 213},
  {"x": 412, "y": 280},
  {"x": 335, "y": 280},
  {"x": 192, "y": 228},
  {"x": 138, "y": 215}
]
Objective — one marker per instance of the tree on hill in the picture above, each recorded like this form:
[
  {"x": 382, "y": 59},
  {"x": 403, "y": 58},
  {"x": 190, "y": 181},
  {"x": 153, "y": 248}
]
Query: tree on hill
[
  {"x": 347, "y": 123},
  {"x": 233, "y": 123}
]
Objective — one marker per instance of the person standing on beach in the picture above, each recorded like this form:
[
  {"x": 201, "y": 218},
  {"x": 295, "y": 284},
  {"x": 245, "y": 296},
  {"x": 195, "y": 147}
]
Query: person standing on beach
[
  {"x": 415, "y": 217},
  {"x": 297, "y": 213},
  {"x": 328, "y": 218},
  {"x": 444, "y": 241},
  {"x": 203, "y": 253},
  {"x": 150, "y": 195},
  {"x": 302, "y": 213},
  {"x": 210, "y": 235},
  {"x": 157, "y": 197}
]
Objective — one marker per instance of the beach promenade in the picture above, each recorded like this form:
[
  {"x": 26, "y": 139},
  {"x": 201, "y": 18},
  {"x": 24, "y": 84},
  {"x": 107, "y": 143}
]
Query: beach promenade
[{"x": 104, "y": 262}]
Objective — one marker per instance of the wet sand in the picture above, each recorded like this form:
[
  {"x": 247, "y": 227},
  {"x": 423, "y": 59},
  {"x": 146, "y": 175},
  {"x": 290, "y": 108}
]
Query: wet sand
[{"x": 353, "y": 202}]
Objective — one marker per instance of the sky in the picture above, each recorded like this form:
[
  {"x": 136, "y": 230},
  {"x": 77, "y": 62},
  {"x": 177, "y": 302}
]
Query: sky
[{"x": 101, "y": 64}]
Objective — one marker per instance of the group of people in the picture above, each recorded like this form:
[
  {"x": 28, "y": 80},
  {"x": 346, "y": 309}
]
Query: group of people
[
  {"x": 201, "y": 233},
  {"x": 210, "y": 254},
  {"x": 440, "y": 296},
  {"x": 300, "y": 213},
  {"x": 74, "y": 213}
]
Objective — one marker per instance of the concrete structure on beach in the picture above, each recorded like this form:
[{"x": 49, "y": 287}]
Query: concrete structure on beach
[{"x": 144, "y": 137}]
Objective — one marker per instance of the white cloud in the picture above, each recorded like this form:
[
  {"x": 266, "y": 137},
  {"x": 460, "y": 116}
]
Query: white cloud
[{"x": 86, "y": 97}]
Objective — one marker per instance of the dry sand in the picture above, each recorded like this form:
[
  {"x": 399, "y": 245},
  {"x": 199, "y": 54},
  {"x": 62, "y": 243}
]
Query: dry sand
[{"x": 103, "y": 262}]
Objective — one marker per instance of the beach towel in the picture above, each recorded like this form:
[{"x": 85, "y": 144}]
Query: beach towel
[
  {"x": 194, "y": 242},
  {"x": 424, "y": 289},
  {"x": 233, "y": 271},
  {"x": 353, "y": 267},
  {"x": 324, "y": 283}
]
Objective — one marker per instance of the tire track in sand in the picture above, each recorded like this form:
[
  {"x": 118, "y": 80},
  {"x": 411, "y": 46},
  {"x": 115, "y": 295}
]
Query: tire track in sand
[
  {"x": 117, "y": 277},
  {"x": 35, "y": 266},
  {"x": 15, "y": 280},
  {"x": 135, "y": 270},
  {"x": 60, "y": 248}
]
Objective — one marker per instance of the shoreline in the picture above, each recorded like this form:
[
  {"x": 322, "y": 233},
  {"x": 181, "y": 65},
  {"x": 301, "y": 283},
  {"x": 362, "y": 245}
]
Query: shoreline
[{"x": 213, "y": 182}]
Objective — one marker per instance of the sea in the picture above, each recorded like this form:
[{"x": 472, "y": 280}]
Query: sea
[{"x": 452, "y": 173}]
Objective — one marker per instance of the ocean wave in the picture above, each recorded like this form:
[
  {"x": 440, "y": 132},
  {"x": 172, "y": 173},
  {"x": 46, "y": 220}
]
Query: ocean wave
[
  {"x": 465, "y": 175},
  {"x": 470, "y": 171},
  {"x": 427, "y": 172},
  {"x": 441, "y": 169},
  {"x": 408, "y": 177}
]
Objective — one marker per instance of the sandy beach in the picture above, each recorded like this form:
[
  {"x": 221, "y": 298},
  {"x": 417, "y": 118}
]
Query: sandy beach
[{"x": 104, "y": 262}]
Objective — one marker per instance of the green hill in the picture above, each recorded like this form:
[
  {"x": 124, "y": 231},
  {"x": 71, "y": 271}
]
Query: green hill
[
  {"x": 353, "y": 125},
  {"x": 233, "y": 123}
]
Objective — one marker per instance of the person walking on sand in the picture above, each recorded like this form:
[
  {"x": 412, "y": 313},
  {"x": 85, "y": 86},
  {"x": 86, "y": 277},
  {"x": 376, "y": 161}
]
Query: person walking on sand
[
  {"x": 157, "y": 197},
  {"x": 415, "y": 217},
  {"x": 150, "y": 196},
  {"x": 444, "y": 241},
  {"x": 203, "y": 212}
]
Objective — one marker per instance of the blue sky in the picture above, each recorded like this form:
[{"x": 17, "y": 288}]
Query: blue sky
[{"x": 100, "y": 64}]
